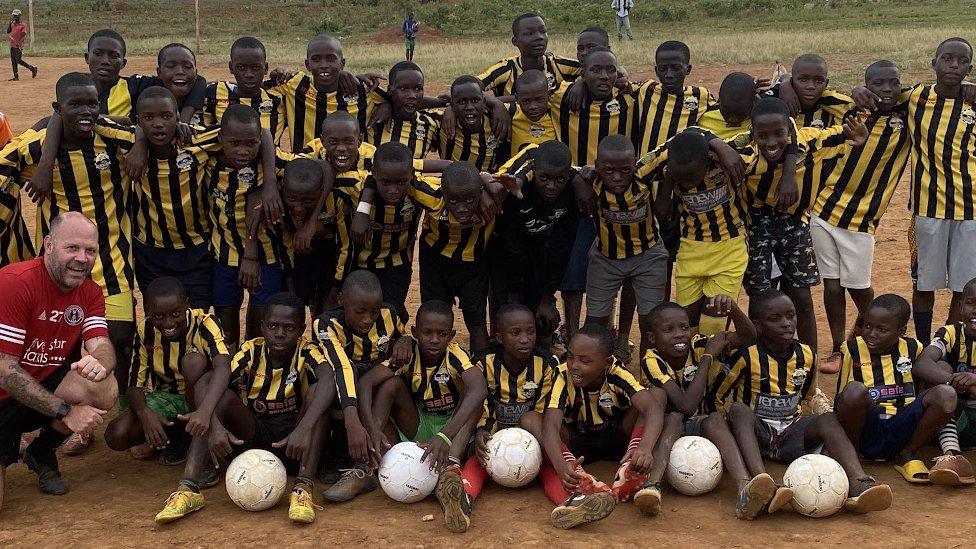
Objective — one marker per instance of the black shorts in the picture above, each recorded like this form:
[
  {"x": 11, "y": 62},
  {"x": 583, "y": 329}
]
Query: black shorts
[
  {"x": 17, "y": 419},
  {"x": 445, "y": 279},
  {"x": 608, "y": 443},
  {"x": 269, "y": 429},
  {"x": 314, "y": 273},
  {"x": 395, "y": 282},
  {"x": 786, "y": 445},
  {"x": 191, "y": 266}
]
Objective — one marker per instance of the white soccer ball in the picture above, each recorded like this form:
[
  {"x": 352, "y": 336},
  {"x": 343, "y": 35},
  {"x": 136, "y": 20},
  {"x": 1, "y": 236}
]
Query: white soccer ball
[
  {"x": 403, "y": 476},
  {"x": 819, "y": 485},
  {"x": 256, "y": 480},
  {"x": 695, "y": 466},
  {"x": 514, "y": 457}
]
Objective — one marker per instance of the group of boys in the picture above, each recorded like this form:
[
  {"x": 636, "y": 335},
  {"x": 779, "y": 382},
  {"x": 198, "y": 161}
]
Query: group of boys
[{"x": 554, "y": 174}]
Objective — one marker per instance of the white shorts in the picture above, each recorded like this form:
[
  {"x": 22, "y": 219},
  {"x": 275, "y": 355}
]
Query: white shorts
[
  {"x": 946, "y": 253},
  {"x": 843, "y": 255}
]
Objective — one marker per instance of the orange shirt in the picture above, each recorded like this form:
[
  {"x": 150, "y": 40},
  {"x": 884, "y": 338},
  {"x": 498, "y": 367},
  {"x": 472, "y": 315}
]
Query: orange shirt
[
  {"x": 5, "y": 134},
  {"x": 17, "y": 33}
]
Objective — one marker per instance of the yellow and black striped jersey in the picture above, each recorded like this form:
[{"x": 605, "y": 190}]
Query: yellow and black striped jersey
[
  {"x": 662, "y": 115},
  {"x": 860, "y": 187},
  {"x": 363, "y": 350},
  {"x": 958, "y": 348},
  {"x": 418, "y": 134},
  {"x": 306, "y": 108},
  {"x": 713, "y": 121},
  {"x": 478, "y": 148},
  {"x": 444, "y": 234},
  {"x": 772, "y": 386},
  {"x": 15, "y": 240},
  {"x": 655, "y": 371},
  {"x": 269, "y": 105},
  {"x": 888, "y": 377},
  {"x": 120, "y": 99},
  {"x": 530, "y": 132},
  {"x": 157, "y": 363},
  {"x": 626, "y": 226},
  {"x": 90, "y": 180},
  {"x": 592, "y": 410},
  {"x": 437, "y": 389},
  {"x": 943, "y": 136},
  {"x": 511, "y": 394},
  {"x": 582, "y": 131},
  {"x": 499, "y": 79},
  {"x": 268, "y": 389}
]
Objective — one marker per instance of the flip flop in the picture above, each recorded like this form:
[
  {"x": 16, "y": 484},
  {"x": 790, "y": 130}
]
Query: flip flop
[{"x": 914, "y": 471}]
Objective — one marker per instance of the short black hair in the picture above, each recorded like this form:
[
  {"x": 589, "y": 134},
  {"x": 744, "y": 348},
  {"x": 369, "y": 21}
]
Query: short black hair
[
  {"x": 506, "y": 309},
  {"x": 674, "y": 45},
  {"x": 553, "y": 154},
  {"x": 599, "y": 31},
  {"x": 165, "y": 286},
  {"x": 521, "y": 17},
  {"x": 467, "y": 79},
  {"x": 286, "y": 299},
  {"x": 894, "y": 304},
  {"x": 810, "y": 58},
  {"x": 363, "y": 281},
  {"x": 107, "y": 33},
  {"x": 661, "y": 308},
  {"x": 173, "y": 46},
  {"x": 615, "y": 143},
  {"x": 759, "y": 302},
  {"x": 248, "y": 43},
  {"x": 688, "y": 147},
  {"x": 324, "y": 37},
  {"x": 529, "y": 77},
  {"x": 304, "y": 173},
  {"x": 599, "y": 332},
  {"x": 954, "y": 39},
  {"x": 435, "y": 307},
  {"x": 970, "y": 286},
  {"x": 770, "y": 105},
  {"x": 460, "y": 176},
  {"x": 393, "y": 152},
  {"x": 340, "y": 116},
  {"x": 241, "y": 114},
  {"x": 598, "y": 49},
  {"x": 736, "y": 86},
  {"x": 401, "y": 67},
  {"x": 157, "y": 92},
  {"x": 69, "y": 81},
  {"x": 880, "y": 64}
]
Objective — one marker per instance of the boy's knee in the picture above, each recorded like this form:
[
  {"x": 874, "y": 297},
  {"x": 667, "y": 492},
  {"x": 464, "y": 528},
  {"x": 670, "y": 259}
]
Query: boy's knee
[
  {"x": 713, "y": 421},
  {"x": 193, "y": 366},
  {"x": 531, "y": 421},
  {"x": 740, "y": 412},
  {"x": 943, "y": 396},
  {"x": 854, "y": 394},
  {"x": 673, "y": 421},
  {"x": 115, "y": 436}
]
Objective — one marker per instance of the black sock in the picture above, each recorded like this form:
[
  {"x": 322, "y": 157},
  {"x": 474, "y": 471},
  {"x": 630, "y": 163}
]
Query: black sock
[
  {"x": 923, "y": 326},
  {"x": 49, "y": 439},
  {"x": 193, "y": 486}
]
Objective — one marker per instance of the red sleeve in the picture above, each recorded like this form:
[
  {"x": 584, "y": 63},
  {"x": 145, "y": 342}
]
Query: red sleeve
[
  {"x": 95, "y": 324},
  {"x": 14, "y": 309}
]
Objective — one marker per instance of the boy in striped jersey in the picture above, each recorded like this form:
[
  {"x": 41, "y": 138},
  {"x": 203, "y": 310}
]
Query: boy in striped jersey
[
  {"x": 878, "y": 402},
  {"x": 175, "y": 345},
  {"x": 409, "y": 123},
  {"x": 532, "y": 121},
  {"x": 473, "y": 140},
  {"x": 763, "y": 389}
]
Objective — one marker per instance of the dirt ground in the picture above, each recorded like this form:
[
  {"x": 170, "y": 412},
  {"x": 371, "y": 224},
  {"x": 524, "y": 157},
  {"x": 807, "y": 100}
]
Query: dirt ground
[{"x": 113, "y": 497}]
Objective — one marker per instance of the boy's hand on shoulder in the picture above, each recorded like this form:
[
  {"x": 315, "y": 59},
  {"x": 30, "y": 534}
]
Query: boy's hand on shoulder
[
  {"x": 185, "y": 133},
  {"x": 41, "y": 183},
  {"x": 382, "y": 114},
  {"x": 865, "y": 98},
  {"x": 371, "y": 80},
  {"x": 855, "y": 130},
  {"x": 787, "y": 192},
  {"x": 763, "y": 85},
  {"x": 137, "y": 158},
  {"x": 481, "y": 446},
  {"x": 448, "y": 122},
  {"x": 501, "y": 121},
  {"x": 488, "y": 207},
  {"x": 402, "y": 351},
  {"x": 789, "y": 95},
  {"x": 967, "y": 91},
  {"x": 348, "y": 83},
  {"x": 583, "y": 189},
  {"x": 280, "y": 76},
  {"x": 574, "y": 97},
  {"x": 730, "y": 160},
  {"x": 303, "y": 238},
  {"x": 547, "y": 314}
]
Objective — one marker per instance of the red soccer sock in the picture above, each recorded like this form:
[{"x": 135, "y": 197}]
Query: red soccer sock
[
  {"x": 635, "y": 437},
  {"x": 567, "y": 455},
  {"x": 551, "y": 484},
  {"x": 473, "y": 477}
]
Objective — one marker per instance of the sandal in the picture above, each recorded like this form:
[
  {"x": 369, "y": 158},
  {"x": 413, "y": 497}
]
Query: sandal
[{"x": 914, "y": 471}]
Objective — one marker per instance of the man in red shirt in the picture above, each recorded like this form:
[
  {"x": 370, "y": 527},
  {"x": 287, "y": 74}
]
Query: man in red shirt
[
  {"x": 17, "y": 31},
  {"x": 49, "y": 311}
]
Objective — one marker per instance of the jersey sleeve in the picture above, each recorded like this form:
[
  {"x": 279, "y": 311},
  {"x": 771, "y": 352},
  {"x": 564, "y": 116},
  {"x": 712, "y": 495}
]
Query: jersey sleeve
[
  {"x": 462, "y": 363},
  {"x": 95, "y": 324},
  {"x": 16, "y": 162},
  {"x": 122, "y": 136},
  {"x": 14, "y": 307},
  {"x": 728, "y": 379},
  {"x": 945, "y": 340},
  {"x": 824, "y": 144},
  {"x": 345, "y": 377},
  {"x": 651, "y": 372},
  {"x": 313, "y": 358},
  {"x": 494, "y": 77},
  {"x": 546, "y": 386},
  {"x": 810, "y": 383},
  {"x": 241, "y": 361},
  {"x": 569, "y": 69},
  {"x": 559, "y": 397},
  {"x": 518, "y": 163},
  {"x": 426, "y": 191},
  {"x": 624, "y": 381},
  {"x": 211, "y": 337},
  {"x": 139, "y": 366}
]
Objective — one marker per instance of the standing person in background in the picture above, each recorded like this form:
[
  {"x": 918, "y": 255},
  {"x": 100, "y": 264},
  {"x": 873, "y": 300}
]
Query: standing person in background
[
  {"x": 410, "y": 29},
  {"x": 622, "y": 10},
  {"x": 17, "y": 31}
]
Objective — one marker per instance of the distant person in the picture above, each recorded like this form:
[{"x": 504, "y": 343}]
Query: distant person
[
  {"x": 17, "y": 31},
  {"x": 622, "y": 10},
  {"x": 410, "y": 29}
]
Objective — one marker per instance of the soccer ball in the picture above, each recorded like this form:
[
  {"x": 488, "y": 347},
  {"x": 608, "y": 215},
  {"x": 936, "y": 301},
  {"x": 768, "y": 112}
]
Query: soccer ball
[
  {"x": 695, "y": 466},
  {"x": 403, "y": 476},
  {"x": 819, "y": 485},
  {"x": 256, "y": 480},
  {"x": 514, "y": 457}
]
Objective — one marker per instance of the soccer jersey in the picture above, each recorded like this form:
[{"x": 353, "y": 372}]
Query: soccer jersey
[
  {"x": 958, "y": 349},
  {"x": 120, "y": 99},
  {"x": 530, "y": 132},
  {"x": 713, "y": 121},
  {"x": 362, "y": 349},
  {"x": 90, "y": 180},
  {"x": 582, "y": 131},
  {"x": 592, "y": 410},
  {"x": 888, "y": 376},
  {"x": 269, "y": 389},
  {"x": 662, "y": 115},
  {"x": 419, "y": 134},
  {"x": 625, "y": 221},
  {"x": 772, "y": 386},
  {"x": 157, "y": 363},
  {"x": 436, "y": 389},
  {"x": 655, "y": 371},
  {"x": 15, "y": 240},
  {"x": 511, "y": 394},
  {"x": 499, "y": 79},
  {"x": 269, "y": 105},
  {"x": 478, "y": 147},
  {"x": 444, "y": 234},
  {"x": 41, "y": 325}
]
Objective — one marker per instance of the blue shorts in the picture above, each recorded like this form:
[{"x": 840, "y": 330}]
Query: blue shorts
[
  {"x": 575, "y": 278},
  {"x": 228, "y": 293},
  {"x": 883, "y": 438}
]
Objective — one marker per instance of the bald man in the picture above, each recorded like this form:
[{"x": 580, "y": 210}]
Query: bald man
[{"x": 49, "y": 310}]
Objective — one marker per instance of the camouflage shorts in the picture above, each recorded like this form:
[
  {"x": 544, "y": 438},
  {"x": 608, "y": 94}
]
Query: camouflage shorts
[{"x": 787, "y": 238}]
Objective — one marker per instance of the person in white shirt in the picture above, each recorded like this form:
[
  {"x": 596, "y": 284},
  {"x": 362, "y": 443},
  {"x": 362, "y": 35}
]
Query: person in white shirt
[{"x": 622, "y": 10}]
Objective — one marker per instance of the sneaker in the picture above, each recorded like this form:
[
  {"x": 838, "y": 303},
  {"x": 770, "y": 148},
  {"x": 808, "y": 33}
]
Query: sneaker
[
  {"x": 951, "y": 470},
  {"x": 781, "y": 498},
  {"x": 581, "y": 509},
  {"x": 209, "y": 478},
  {"x": 44, "y": 462},
  {"x": 179, "y": 504},
  {"x": 756, "y": 496},
  {"x": 329, "y": 470},
  {"x": 831, "y": 364},
  {"x": 175, "y": 452},
  {"x": 33, "y": 72},
  {"x": 648, "y": 499},
  {"x": 14, "y": 79},
  {"x": 77, "y": 444},
  {"x": 627, "y": 483},
  {"x": 353, "y": 482},
  {"x": 589, "y": 484},
  {"x": 820, "y": 403},
  {"x": 454, "y": 500},
  {"x": 866, "y": 495},
  {"x": 301, "y": 508}
]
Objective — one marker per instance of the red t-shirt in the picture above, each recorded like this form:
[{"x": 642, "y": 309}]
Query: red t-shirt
[
  {"x": 42, "y": 325},
  {"x": 17, "y": 33}
]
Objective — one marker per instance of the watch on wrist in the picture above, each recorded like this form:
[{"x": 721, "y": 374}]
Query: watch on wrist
[{"x": 63, "y": 410}]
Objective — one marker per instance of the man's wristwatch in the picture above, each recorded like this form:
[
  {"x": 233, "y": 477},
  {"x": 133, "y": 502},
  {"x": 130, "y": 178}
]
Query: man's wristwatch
[{"x": 63, "y": 410}]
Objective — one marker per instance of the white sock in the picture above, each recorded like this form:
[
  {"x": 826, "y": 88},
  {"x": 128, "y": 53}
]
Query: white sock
[{"x": 949, "y": 438}]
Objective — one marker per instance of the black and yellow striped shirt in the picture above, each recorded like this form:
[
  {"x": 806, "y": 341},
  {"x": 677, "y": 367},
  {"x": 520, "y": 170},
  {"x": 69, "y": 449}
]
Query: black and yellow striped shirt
[
  {"x": 943, "y": 136},
  {"x": 593, "y": 410},
  {"x": 582, "y": 131},
  {"x": 626, "y": 226},
  {"x": 888, "y": 377},
  {"x": 958, "y": 347},
  {"x": 437, "y": 389},
  {"x": 418, "y": 134},
  {"x": 860, "y": 187},
  {"x": 270, "y": 390},
  {"x": 90, "y": 180},
  {"x": 530, "y": 132},
  {"x": 157, "y": 362},
  {"x": 713, "y": 121},
  {"x": 444, "y": 234},
  {"x": 269, "y": 105},
  {"x": 662, "y": 115},
  {"x": 363, "y": 350},
  {"x": 120, "y": 99},
  {"x": 511, "y": 394},
  {"x": 15, "y": 240},
  {"x": 655, "y": 371},
  {"x": 499, "y": 79},
  {"x": 773, "y": 387},
  {"x": 479, "y": 148}
]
